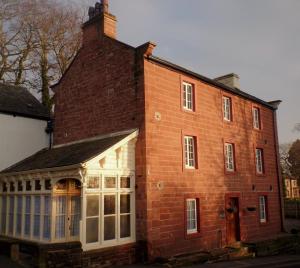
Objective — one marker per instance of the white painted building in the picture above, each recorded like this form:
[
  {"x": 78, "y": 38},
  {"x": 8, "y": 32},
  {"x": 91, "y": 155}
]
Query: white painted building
[{"x": 23, "y": 123}]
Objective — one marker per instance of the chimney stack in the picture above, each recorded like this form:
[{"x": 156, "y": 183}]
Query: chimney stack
[
  {"x": 101, "y": 23},
  {"x": 231, "y": 80}
]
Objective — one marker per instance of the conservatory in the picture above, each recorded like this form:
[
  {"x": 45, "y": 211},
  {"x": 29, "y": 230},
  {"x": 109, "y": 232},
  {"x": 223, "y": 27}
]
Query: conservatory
[{"x": 83, "y": 191}]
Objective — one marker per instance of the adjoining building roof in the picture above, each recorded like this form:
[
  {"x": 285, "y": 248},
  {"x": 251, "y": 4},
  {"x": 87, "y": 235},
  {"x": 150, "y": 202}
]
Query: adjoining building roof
[
  {"x": 211, "y": 81},
  {"x": 67, "y": 155},
  {"x": 19, "y": 101}
]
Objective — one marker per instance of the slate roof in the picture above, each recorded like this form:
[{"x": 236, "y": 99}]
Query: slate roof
[
  {"x": 19, "y": 101},
  {"x": 67, "y": 155}
]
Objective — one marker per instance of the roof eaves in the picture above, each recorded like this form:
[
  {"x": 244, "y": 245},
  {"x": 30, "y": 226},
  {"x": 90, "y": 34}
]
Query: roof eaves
[
  {"x": 32, "y": 116},
  {"x": 209, "y": 81},
  {"x": 5, "y": 174}
]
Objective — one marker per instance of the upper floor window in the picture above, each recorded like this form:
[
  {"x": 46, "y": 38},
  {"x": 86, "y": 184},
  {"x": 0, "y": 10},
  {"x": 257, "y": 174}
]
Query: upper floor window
[
  {"x": 188, "y": 96},
  {"x": 229, "y": 157},
  {"x": 256, "y": 118},
  {"x": 259, "y": 161},
  {"x": 263, "y": 209},
  {"x": 191, "y": 216},
  {"x": 227, "y": 109},
  {"x": 189, "y": 152}
]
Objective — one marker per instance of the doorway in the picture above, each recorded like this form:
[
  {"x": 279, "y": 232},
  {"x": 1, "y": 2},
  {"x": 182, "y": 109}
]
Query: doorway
[
  {"x": 232, "y": 220},
  {"x": 66, "y": 205}
]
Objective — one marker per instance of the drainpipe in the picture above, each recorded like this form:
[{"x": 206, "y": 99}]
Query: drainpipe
[
  {"x": 49, "y": 131},
  {"x": 275, "y": 105}
]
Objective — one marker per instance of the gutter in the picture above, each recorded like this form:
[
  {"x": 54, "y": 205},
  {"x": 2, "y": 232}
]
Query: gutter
[
  {"x": 210, "y": 81},
  {"x": 44, "y": 170},
  {"x": 32, "y": 116}
]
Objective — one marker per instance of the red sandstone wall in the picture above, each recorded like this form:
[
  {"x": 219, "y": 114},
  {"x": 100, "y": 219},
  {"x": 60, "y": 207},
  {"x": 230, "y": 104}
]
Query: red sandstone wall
[
  {"x": 164, "y": 156},
  {"x": 98, "y": 93}
]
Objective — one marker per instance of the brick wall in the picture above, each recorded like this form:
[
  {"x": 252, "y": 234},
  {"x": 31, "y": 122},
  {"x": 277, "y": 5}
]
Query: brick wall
[{"x": 165, "y": 205}]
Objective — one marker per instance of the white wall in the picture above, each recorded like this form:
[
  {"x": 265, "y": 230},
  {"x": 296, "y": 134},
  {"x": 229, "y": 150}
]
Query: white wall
[{"x": 20, "y": 137}]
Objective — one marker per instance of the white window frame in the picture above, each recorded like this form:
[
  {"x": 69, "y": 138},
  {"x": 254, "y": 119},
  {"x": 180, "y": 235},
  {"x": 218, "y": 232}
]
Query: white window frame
[
  {"x": 194, "y": 216},
  {"x": 259, "y": 161},
  {"x": 262, "y": 209},
  {"x": 227, "y": 109},
  {"x": 188, "y": 96},
  {"x": 229, "y": 157},
  {"x": 190, "y": 152},
  {"x": 117, "y": 192},
  {"x": 256, "y": 118}
]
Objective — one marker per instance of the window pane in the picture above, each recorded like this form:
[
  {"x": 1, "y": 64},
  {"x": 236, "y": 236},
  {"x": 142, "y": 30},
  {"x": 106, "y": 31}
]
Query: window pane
[
  {"x": 75, "y": 215},
  {"x": 28, "y": 185},
  {"x": 47, "y": 217},
  {"x": 110, "y": 182},
  {"x": 60, "y": 219},
  {"x": 37, "y": 185},
  {"x": 11, "y": 214},
  {"x": 3, "y": 214},
  {"x": 92, "y": 230},
  {"x": 27, "y": 215},
  {"x": 124, "y": 203},
  {"x": 125, "y": 182},
  {"x": 125, "y": 226},
  {"x": 93, "y": 182},
  {"x": 109, "y": 204},
  {"x": 109, "y": 227},
  {"x": 47, "y": 184},
  {"x": 191, "y": 215},
  {"x": 37, "y": 216},
  {"x": 92, "y": 205},
  {"x": 20, "y": 186},
  {"x": 19, "y": 215}
]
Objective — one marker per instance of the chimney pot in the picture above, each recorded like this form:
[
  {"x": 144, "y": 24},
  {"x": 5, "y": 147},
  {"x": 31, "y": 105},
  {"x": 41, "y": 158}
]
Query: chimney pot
[
  {"x": 104, "y": 4},
  {"x": 97, "y": 8}
]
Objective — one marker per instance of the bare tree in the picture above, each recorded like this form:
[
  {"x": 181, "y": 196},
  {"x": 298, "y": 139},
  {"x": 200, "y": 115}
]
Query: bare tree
[
  {"x": 38, "y": 40},
  {"x": 284, "y": 158}
]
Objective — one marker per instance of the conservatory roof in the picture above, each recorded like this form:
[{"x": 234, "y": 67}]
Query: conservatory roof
[{"x": 69, "y": 154}]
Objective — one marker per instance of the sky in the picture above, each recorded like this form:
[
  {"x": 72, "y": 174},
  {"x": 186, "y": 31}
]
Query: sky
[{"x": 259, "y": 40}]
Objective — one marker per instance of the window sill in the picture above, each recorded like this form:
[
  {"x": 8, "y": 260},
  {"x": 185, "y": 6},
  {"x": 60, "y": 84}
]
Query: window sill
[
  {"x": 226, "y": 121},
  {"x": 257, "y": 129},
  {"x": 228, "y": 172},
  {"x": 262, "y": 224},
  {"x": 192, "y": 235},
  {"x": 260, "y": 174},
  {"x": 193, "y": 112}
]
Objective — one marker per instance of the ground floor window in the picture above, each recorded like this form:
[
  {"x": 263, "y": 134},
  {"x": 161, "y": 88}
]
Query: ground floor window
[
  {"x": 191, "y": 216},
  {"x": 110, "y": 212},
  {"x": 47, "y": 217},
  {"x": 263, "y": 209},
  {"x": 3, "y": 214},
  {"x": 33, "y": 216}
]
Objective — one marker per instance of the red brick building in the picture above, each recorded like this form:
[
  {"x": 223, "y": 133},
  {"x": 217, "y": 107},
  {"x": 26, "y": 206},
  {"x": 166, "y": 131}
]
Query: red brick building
[{"x": 206, "y": 153}]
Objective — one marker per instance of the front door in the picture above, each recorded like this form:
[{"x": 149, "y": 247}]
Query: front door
[{"x": 232, "y": 220}]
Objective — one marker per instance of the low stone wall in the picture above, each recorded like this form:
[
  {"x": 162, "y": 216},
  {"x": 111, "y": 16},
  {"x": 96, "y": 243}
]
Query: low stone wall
[
  {"x": 119, "y": 255},
  {"x": 71, "y": 255}
]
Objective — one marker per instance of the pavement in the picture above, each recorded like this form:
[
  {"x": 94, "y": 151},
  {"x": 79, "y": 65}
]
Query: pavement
[{"x": 281, "y": 261}]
